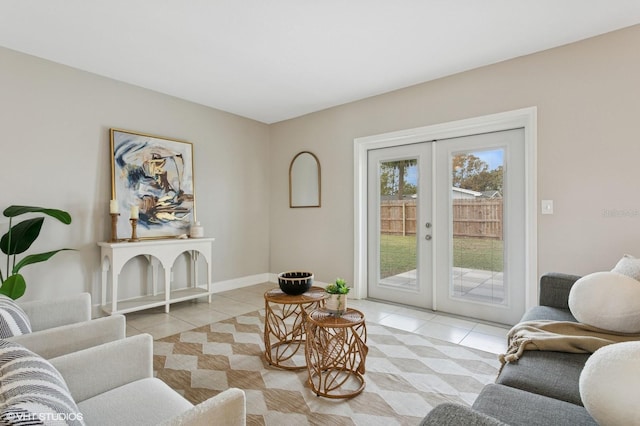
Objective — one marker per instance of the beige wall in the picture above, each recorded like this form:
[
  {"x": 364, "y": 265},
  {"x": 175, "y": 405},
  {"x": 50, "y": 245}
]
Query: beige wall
[
  {"x": 55, "y": 153},
  {"x": 55, "y": 123},
  {"x": 587, "y": 95}
]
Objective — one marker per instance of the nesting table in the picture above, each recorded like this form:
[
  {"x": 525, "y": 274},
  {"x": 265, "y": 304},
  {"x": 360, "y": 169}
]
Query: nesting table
[
  {"x": 335, "y": 353},
  {"x": 284, "y": 325}
]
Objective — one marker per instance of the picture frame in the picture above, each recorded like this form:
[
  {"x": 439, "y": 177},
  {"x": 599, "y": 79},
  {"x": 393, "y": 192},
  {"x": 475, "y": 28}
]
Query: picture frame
[{"x": 152, "y": 178}]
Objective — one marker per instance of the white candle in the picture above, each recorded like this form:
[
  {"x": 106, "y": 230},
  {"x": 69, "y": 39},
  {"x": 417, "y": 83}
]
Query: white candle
[
  {"x": 113, "y": 206},
  {"x": 134, "y": 212}
]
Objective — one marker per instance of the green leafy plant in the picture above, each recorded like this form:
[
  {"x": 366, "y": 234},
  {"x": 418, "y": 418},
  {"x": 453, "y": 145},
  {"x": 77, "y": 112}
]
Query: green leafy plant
[
  {"x": 19, "y": 239},
  {"x": 339, "y": 287}
]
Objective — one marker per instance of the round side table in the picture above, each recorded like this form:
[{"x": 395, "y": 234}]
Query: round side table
[
  {"x": 284, "y": 325},
  {"x": 336, "y": 351}
]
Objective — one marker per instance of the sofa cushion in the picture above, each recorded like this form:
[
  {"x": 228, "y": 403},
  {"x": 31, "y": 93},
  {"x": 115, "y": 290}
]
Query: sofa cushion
[
  {"x": 449, "y": 413},
  {"x": 607, "y": 300},
  {"x": 143, "y": 402},
  {"x": 548, "y": 313},
  {"x": 554, "y": 289},
  {"x": 13, "y": 320},
  {"x": 33, "y": 391},
  {"x": 517, "y": 407},
  {"x": 548, "y": 373},
  {"x": 609, "y": 384}
]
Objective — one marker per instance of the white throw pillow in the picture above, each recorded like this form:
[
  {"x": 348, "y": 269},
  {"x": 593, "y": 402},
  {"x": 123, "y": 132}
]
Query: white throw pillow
[
  {"x": 607, "y": 300},
  {"x": 609, "y": 384},
  {"x": 629, "y": 266}
]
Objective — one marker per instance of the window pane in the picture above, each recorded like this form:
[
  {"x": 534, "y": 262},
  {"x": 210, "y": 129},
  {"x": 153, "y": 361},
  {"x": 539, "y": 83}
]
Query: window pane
[
  {"x": 477, "y": 215},
  {"x": 398, "y": 241}
]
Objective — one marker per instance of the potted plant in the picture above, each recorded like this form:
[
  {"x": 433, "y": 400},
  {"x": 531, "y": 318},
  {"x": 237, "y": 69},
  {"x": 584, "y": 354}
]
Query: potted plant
[
  {"x": 17, "y": 240},
  {"x": 336, "y": 303}
]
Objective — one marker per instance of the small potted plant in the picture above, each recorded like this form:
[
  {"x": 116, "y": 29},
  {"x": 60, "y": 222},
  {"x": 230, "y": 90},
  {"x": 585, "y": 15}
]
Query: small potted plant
[{"x": 336, "y": 303}]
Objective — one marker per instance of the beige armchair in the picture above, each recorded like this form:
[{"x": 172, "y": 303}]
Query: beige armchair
[
  {"x": 113, "y": 384},
  {"x": 64, "y": 325},
  {"x": 46, "y": 314}
]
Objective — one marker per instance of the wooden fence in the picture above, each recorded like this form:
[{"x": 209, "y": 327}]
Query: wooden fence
[{"x": 480, "y": 218}]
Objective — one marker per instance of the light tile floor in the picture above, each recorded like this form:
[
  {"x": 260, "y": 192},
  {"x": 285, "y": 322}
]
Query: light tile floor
[{"x": 187, "y": 315}]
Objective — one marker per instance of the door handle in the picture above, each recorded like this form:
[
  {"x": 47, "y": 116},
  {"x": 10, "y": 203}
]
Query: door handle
[{"x": 427, "y": 237}]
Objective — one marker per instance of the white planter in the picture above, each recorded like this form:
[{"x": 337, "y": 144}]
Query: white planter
[{"x": 336, "y": 303}]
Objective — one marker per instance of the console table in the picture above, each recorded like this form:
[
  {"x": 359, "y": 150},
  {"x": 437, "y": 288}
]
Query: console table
[{"x": 157, "y": 252}]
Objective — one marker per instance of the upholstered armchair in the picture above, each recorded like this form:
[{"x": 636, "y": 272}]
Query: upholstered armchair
[
  {"x": 59, "y": 326},
  {"x": 108, "y": 384},
  {"x": 113, "y": 384}
]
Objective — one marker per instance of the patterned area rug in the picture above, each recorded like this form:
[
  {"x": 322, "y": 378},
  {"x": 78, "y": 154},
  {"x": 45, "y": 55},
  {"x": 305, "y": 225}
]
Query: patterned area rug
[{"x": 406, "y": 375}]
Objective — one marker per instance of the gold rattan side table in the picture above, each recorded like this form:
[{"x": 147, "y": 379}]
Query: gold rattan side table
[
  {"x": 336, "y": 352},
  {"x": 284, "y": 325}
]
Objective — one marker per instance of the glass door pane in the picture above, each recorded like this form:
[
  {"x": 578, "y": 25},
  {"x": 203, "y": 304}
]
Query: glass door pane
[
  {"x": 398, "y": 239},
  {"x": 477, "y": 222}
]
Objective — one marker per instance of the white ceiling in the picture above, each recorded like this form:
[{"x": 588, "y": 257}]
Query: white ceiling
[{"x": 271, "y": 60}]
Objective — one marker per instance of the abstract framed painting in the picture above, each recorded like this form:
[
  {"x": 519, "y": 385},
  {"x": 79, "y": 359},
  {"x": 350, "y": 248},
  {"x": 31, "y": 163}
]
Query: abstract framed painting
[{"x": 152, "y": 178}]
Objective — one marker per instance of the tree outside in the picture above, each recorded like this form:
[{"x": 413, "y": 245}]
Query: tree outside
[
  {"x": 393, "y": 178},
  {"x": 470, "y": 172}
]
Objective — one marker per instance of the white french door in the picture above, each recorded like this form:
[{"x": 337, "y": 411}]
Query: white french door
[
  {"x": 399, "y": 192},
  {"x": 481, "y": 240},
  {"x": 446, "y": 225}
]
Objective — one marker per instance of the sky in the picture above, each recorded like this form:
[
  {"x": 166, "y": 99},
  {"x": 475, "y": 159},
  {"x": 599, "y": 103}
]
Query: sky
[{"x": 493, "y": 158}]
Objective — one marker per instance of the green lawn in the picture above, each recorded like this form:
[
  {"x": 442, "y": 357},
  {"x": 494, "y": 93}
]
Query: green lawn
[
  {"x": 398, "y": 254},
  {"x": 478, "y": 253}
]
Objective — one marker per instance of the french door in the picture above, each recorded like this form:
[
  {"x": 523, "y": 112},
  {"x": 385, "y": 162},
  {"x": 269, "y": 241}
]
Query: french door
[
  {"x": 399, "y": 192},
  {"x": 446, "y": 225}
]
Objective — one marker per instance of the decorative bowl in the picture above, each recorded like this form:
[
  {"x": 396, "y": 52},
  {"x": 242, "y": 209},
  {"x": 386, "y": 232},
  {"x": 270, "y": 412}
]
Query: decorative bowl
[{"x": 295, "y": 282}]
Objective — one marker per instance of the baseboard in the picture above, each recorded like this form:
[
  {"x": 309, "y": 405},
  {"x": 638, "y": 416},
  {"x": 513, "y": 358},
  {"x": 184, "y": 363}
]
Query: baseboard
[
  {"x": 241, "y": 282},
  {"x": 235, "y": 283}
]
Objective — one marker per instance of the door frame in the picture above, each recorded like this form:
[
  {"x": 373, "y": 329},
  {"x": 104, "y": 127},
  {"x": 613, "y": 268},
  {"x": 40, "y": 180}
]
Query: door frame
[{"x": 525, "y": 118}]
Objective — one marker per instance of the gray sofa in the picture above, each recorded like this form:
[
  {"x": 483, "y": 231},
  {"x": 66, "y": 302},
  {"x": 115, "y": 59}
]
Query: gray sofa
[{"x": 542, "y": 388}]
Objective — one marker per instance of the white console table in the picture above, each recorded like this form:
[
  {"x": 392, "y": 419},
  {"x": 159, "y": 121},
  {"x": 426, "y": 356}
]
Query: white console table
[{"x": 158, "y": 252}]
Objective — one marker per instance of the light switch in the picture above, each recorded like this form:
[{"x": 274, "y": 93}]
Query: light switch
[{"x": 547, "y": 206}]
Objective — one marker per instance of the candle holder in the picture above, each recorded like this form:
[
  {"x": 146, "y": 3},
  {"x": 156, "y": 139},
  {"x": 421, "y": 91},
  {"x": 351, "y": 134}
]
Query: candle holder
[
  {"x": 114, "y": 227},
  {"x": 134, "y": 226}
]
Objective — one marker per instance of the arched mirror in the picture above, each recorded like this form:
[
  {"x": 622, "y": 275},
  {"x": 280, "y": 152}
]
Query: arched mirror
[{"x": 304, "y": 180}]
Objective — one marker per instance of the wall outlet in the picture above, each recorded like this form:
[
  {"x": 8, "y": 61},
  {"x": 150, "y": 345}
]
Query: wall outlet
[{"x": 547, "y": 206}]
